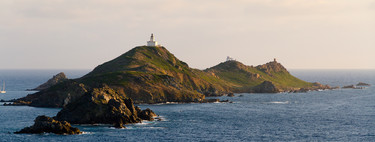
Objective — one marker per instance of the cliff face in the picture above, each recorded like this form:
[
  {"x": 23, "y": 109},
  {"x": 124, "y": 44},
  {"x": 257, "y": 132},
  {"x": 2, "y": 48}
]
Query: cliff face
[{"x": 154, "y": 75}]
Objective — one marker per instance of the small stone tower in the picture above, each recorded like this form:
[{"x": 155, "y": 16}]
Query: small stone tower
[
  {"x": 152, "y": 41},
  {"x": 230, "y": 58}
]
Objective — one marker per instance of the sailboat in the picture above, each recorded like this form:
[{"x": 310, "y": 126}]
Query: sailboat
[{"x": 2, "y": 91}]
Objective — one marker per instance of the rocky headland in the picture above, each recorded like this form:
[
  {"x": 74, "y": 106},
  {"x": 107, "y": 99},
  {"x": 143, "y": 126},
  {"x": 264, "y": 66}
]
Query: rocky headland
[{"x": 60, "y": 77}]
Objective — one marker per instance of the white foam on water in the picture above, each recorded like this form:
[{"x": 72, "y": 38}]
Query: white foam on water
[
  {"x": 162, "y": 118},
  {"x": 86, "y": 133},
  {"x": 277, "y": 102},
  {"x": 144, "y": 122}
]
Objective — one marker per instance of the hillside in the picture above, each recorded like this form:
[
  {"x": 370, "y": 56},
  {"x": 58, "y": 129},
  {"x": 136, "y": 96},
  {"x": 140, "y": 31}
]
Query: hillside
[
  {"x": 151, "y": 74},
  {"x": 244, "y": 78},
  {"x": 145, "y": 74}
]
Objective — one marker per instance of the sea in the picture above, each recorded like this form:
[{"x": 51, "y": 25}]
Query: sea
[{"x": 329, "y": 115}]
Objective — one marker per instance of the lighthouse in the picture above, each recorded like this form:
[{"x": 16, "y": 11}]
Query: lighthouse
[{"x": 152, "y": 41}]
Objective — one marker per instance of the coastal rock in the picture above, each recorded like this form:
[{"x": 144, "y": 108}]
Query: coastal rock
[
  {"x": 336, "y": 87},
  {"x": 147, "y": 114},
  {"x": 317, "y": 85},
  {"x": 45, "y": 124},
  {"x": 58, "y": 95},
  {"x": 60, "y": 77},
  {"x": 349, "y": 87},
  {"x": 363, "y": 84},
  {"x": 103, "y": 106},
  {"x": 301, "y": 90},
  {"x": 266, "y": 87},
  {"x": 353, "y": 87},
  {"x": 210, "y": 100},
  {"x": 231, "y": 95}
]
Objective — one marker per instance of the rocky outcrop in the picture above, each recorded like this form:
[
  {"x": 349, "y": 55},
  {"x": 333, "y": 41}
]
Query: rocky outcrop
[
  {"x": 272, "y": 67},
  {"x": 147, "y": 114},
  {"x": 266, "y": 87},
  {"x": 56, "y": 96},
  {"x": 45, "y": 124},
  {"x": 353, "y": 87},
  {"x": 363, "y": 84},
  {"x": 317, "y": 85},
  {"x": 104, "y": 106},
  {"x": 349, "y": 87},
  {"x": 231, "y": 95},
  {"x": 60, "y": 77}
]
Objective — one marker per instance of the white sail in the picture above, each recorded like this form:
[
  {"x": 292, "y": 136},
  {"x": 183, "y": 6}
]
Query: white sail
[{"x": 3, "y": 89}]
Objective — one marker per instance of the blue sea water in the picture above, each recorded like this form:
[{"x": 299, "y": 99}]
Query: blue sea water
[{"x": 334, "y": 115}]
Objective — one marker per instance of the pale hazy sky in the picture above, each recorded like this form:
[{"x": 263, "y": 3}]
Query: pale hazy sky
[{"x": 81, "y": 34}]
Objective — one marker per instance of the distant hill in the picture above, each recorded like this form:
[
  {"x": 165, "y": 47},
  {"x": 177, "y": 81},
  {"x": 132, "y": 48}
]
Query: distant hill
[{"x": 154, "y": 75}]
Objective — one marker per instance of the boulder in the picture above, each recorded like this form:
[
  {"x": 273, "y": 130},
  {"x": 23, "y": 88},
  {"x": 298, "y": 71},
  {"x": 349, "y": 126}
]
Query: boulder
[
  {"x": 45, "y": 124},
  {"x": 231, "y": 95},
  {"x": 147, "y": 114},
  {"x": 266, "y": 87}
]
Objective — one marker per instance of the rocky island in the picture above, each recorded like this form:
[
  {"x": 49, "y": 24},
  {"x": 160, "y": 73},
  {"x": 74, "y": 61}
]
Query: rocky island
[
  {"x": 45, "y": 124},
  {"x": 151, "y": 74},
  {"x": 360, "y": 85},
  {"x": 363, "y": 84}
]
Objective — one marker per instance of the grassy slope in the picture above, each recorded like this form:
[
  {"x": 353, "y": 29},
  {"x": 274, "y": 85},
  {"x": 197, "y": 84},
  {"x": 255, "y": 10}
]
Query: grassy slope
[
  {"x": 244, "y": 78},
  {"x": 156, "y": 64},
  {"x": 152, "y": 72}
]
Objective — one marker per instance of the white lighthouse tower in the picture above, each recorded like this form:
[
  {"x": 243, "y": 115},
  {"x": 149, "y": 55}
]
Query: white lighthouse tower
[{"x": 152, "y": 41}]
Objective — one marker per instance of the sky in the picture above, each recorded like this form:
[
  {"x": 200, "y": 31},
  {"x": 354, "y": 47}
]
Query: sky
[{"x": 81, "y": 34}]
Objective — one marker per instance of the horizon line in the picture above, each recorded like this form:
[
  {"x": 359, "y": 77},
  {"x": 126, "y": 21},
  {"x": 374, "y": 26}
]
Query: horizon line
[{"x": 190, "y": 67}]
